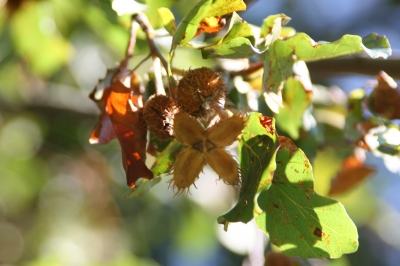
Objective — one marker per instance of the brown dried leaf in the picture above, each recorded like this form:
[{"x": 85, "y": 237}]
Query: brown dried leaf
[
  {"x": 385, "y": 98},
  {"x": 353, "y": 172},
  {"x": 122, "y": 106},
  {"x": 211, "y": 25}
]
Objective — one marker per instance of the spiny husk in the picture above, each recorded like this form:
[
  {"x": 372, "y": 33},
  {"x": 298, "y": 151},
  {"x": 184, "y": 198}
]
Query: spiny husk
[
  {"x": 159, "y": 113},
  {"x": 187, "y": 129},
  {"x": 226, "y": 131},
  {"x": 186, "y": 169},
  {"x": 200, "y": 92},
  {"x": 224, "y": 165}
]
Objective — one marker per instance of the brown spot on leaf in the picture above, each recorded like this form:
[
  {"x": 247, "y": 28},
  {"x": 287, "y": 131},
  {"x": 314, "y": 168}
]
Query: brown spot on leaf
[
  {"x": 266, "y": 122},
  {"x": 318, "y": 232},
  {"x": 276, "y": 205},
  {"x": 353, "y": 172}
]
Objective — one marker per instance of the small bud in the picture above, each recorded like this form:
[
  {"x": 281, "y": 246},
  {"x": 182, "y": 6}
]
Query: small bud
[
  {"x": 201, "y": 91},
  {"x": 159, "y": 114}
]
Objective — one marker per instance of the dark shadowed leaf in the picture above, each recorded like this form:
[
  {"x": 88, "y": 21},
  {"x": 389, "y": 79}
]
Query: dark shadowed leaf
[{"x": 257, "y": 150}]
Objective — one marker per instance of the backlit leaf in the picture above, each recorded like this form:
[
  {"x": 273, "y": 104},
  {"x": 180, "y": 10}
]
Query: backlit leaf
[
  {"x": 122, "y": 117},
  {"x": 299, "y": 221},
  {"x": 384, "y": 100},
  {"x": 187, "y": 28},
  {"x": 168, "y": 19},
  {"x": 282, "y": 54},
  {"x": 237, "y": 43},
  {"x": 296, "y": 99}
]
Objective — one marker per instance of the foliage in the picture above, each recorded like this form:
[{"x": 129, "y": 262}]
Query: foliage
[
  {"x": 276, "y": 176},
  {"x": 277, "y": 133}
]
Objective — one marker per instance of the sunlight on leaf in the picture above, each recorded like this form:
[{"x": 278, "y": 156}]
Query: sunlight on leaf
[
  {"x": 187, "y": 28},
  {"x": 299, "y": 221},
  {"x": 282, "y": 54},
  {"x": 237, "y": 43},
  {"x": 168, "y": 19}
]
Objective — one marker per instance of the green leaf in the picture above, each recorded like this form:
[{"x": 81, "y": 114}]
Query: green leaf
[
  {"x": 273, "y": 21},
  {"x": 376, "y": 46},
  {"x": 282, "y": 54},
  {"x": 143, "y": 187},
  {"x": 223, "y": 7},
  {"x": 237, "y": 43},
  {"x": 36, "y": 38},
  {"x": 257, "y": 149},
  {"x": 272, "y": 27},
  {"x": 299, "y": 221},
  {"x": 187, "y": 28},
  {"x": 354, "y": 114},
  {"x": 168, "y": 19},
  {"x": 164, "y": 161},
  {"x": 296, "y": 99}
]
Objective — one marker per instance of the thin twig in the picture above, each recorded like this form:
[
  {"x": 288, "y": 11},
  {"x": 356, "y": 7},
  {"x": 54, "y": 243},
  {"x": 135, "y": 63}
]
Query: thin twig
[
  {"x": 141, "y": 62},
  {"x": 158, "y": 76},
  {"x": 150, "y": 34},
  {"x": 131, "y": 45}
]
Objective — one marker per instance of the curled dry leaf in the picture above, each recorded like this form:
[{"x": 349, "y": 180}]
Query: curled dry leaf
[
  {"x": 385, "y": 98},
  {"x": 122, "y": 117},
  {"x": 353, "y": 172}
]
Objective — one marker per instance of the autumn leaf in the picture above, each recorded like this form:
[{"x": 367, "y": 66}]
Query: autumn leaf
[
  {"x": 121, "y": 117},
  {"x": 353, "y": 172},
  {"x": 385, "y": 98},
  {"x": 211, "y": 25}
]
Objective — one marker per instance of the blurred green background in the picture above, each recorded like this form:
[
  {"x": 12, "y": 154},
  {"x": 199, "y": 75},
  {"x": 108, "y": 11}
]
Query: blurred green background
[{"x": 62, "y": 200}]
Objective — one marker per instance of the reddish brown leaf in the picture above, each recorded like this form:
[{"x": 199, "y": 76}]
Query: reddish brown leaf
[
  {"x": 211, "y": 25},
  {"x": 122, "y": 117},
  {"x": 352, "y": 173},
  {"x": 278, "y": 259},
  {"x": 103, "y": 131},
  {"x": 385, "y": 98}
]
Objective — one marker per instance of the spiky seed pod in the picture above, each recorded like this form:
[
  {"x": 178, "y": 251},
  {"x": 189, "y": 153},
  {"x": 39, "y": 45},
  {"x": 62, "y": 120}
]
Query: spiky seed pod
[
  {"x": 226, "y": 131},
  {"x": 186, "y": 169},
  {"x": 224, "y": 165},
  {"x": 200, "y": 92},
  {"x": 159, "y": 113}
]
